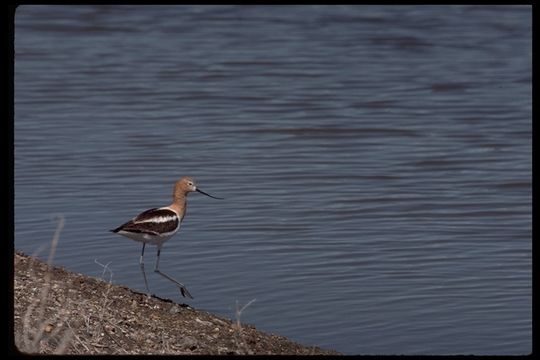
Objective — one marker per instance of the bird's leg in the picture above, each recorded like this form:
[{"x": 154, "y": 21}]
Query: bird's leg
[
  {"x": 141, "y": 263},
  {"x": 183, "y": 290}
]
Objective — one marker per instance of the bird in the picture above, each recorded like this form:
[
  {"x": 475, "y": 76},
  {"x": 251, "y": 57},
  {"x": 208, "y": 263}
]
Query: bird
[{"x": 157, "y": 225}]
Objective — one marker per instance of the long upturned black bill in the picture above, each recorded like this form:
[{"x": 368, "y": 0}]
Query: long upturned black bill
[{"x": 202, "y": 192}]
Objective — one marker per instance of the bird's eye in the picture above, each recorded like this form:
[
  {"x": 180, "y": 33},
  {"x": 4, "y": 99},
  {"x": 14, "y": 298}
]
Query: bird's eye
[{"x": 190, "y": 183}]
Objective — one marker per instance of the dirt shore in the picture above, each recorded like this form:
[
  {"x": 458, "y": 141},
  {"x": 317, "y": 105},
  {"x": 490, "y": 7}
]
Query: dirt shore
[{"x": 57, "y": 311}]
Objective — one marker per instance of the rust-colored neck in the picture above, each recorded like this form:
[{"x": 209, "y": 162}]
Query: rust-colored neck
[{"x": 179, "y": 203}]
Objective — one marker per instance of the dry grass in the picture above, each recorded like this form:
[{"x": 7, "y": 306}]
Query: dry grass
[
  {"x": 39, "y": 333},
  {"x": 240, "y": 340},
  {"x": 46, "y": 331}
]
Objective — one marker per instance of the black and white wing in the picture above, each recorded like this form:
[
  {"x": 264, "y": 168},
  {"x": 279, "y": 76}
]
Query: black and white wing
[{"x": 156, "y": 221}]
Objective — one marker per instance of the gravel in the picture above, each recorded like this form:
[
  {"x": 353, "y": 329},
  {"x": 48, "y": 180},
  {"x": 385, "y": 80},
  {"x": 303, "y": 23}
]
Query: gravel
[{"x": 57, "y": 311}]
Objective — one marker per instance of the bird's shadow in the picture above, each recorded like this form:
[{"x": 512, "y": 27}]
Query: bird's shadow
[{"x": 154, "y": 296}]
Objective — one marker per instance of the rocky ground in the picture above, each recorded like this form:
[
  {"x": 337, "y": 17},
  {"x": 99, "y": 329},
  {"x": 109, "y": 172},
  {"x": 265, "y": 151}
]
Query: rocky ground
[{"x": 57, "y": 311}]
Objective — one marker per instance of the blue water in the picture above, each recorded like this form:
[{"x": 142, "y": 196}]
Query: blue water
[{"x": 375, "y": 160}]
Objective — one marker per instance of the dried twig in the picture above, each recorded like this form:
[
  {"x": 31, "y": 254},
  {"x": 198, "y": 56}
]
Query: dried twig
[{"x": 242, "y": 345}]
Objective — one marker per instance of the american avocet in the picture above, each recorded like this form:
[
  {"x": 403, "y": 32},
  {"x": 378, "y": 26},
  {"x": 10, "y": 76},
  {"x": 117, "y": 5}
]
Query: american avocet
[{"x": 157, "y": 225}]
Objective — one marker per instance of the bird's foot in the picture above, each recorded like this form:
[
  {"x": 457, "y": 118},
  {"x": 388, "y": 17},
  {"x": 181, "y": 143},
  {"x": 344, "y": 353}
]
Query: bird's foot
[{"x": 185, "y": 293}]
